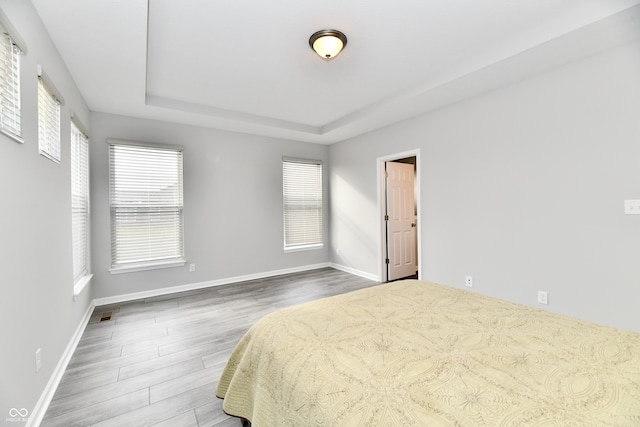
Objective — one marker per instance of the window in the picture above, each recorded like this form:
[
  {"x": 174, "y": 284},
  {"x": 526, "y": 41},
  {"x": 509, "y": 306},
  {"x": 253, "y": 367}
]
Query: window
[
  {"x": 302, "y": 194},
  {"x": 48, "y": 122},
  {"x": 145, "y": 192},
  {"x": 10, "y": 86},
  {"x": 79, "y": 203}
]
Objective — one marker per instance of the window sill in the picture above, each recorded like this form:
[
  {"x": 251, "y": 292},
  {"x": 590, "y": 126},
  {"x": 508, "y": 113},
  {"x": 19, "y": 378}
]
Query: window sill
[
  {"x": 144, "y": 266},
  {"x": 12, "y": 136},
  {"x": 301, "y": 248},
  {"x": 81, "y": 285}
]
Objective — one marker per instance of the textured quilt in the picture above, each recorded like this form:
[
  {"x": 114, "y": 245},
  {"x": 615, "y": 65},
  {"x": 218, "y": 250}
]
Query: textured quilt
[{"x": 412, "y": 353}]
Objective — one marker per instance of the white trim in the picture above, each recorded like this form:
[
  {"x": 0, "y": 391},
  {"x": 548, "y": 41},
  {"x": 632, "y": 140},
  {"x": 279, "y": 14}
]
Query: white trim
[
  {"x": 16, "y": 138},
  {"x": 301, "y": 160},
  {"x": 36, "y": 416},
  {"x": 381, "y": 196},
  {"x": 143, "y": 266},
  {"x": 81, "y": 127},
  {"x": 300, "y": 248},
  {"x": 80, "y": 285},
  {"x": 13, "y": 33},
  {"x": 49, "y": 84},
  {"x": 47, "y": 395},
  {"x": 193, "y": 286},
  {"x": 355, "y": 272},
  {"x": 116, "y": 141}
]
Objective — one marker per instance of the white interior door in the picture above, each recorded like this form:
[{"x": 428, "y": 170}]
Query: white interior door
[{"x": 401, "y": 225}]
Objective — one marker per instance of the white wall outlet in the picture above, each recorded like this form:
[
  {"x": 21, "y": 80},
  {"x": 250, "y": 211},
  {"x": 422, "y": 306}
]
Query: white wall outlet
[
  {"x": 192, "y": 268},
  {"x": 543, "y": 297},
  {"x": 38, "y": 359},
  {"x": 469, "y": 281},
  {"x": 632, "y": 207}
]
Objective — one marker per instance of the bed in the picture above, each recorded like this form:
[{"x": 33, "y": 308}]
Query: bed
[{"x": 413, "y": 353}]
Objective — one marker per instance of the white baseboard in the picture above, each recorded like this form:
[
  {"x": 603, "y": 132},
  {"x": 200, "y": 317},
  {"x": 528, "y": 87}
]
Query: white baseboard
[
  {"x": 360, "y": 273},
  {"x": 47, "y": 395},
  {"x": 192, "y": 286}
]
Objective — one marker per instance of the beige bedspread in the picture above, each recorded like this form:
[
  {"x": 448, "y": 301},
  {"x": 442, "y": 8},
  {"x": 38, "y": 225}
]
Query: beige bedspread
[{"x": 413, "y": 353}]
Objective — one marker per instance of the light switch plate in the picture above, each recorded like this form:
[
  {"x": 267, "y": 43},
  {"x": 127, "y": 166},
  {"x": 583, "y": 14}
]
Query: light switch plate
[{"x": 632, "y": 207}]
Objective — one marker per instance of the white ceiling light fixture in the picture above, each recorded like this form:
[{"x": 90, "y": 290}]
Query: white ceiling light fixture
[{"x": 328, "y": 43}]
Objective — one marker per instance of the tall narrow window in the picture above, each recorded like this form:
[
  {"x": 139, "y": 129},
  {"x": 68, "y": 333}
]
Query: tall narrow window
[
  {"x": 48, "y": 122},
  {"x": 10, "y": 55},
  {"x": 302, "y": 194},
  {"x": 79, "y": 202},
  {"x": 145, "y": 191}
]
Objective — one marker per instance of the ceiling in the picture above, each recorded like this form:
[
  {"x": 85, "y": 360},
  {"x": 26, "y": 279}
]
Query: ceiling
[{"x": 246, "y": 65}]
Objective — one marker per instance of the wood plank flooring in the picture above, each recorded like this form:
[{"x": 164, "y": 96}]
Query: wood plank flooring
[{"x": 158, "y": 360}]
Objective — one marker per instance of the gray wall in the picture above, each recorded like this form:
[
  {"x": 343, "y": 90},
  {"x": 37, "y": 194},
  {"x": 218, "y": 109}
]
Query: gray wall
[
  {"x": 232, "y": 204},
  {"x": 37, "y": 309},
  {"x": 521, "y": 188}
]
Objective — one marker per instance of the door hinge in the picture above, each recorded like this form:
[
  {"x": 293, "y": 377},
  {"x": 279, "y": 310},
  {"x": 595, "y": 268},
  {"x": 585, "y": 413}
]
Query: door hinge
[
  {"x": 386, "y": 217},
  {"x": 386, "y": 261}
]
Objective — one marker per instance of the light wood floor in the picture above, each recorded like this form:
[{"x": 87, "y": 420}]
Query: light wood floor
[{"x": 158, "y": 360}]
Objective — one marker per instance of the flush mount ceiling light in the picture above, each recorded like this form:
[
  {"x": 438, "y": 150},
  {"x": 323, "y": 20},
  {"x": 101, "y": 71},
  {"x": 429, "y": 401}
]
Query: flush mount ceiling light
[{"x": 327, "y": 43}]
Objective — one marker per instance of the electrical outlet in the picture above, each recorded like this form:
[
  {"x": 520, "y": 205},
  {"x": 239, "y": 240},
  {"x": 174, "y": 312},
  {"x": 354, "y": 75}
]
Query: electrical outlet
[
  {"x": 469, "y": 281},
  {"x": 543, "y": 298},
  {"x": 632, "y": 207},
  {"x": 192, "y": 268},
  {"x": 38, "y": 359}
]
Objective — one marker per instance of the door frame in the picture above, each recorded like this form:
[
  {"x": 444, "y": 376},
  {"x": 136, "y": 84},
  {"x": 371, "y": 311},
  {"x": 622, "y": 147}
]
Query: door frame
[{"x": 382, "y": 233}]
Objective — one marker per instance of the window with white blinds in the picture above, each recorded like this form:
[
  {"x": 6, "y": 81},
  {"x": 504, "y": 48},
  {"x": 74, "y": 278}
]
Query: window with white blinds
[
  {"x": 302, "y": 194},
  {"x": 79, "y": 202},
  {"x": 10, "y": 55},
  {"x": 48, "y": 122},
  {"x": 145, "y": 191}
]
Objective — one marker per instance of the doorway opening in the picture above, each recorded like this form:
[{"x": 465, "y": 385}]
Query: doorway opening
[{"x": 400, "y": 222}]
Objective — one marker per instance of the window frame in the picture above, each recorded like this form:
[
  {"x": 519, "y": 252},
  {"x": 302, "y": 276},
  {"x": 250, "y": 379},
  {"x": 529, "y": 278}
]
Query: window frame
[
  {"x": 49, "y": 118},
  {"x": 308, "y": 243},
  {"x": 125, "y": 266},
  {"x": 11, "y": 107},
  {"x": 80, "y": 203}
]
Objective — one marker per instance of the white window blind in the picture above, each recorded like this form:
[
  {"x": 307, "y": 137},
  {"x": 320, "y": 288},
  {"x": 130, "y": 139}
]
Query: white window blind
[
  {"x": 302, "y": 194},
  {"x": 145, "y": 183},
  {"x": 10, "y": 55},
  {"x": 48, "y": 122},
  {"x": 79, "y": 202}
]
